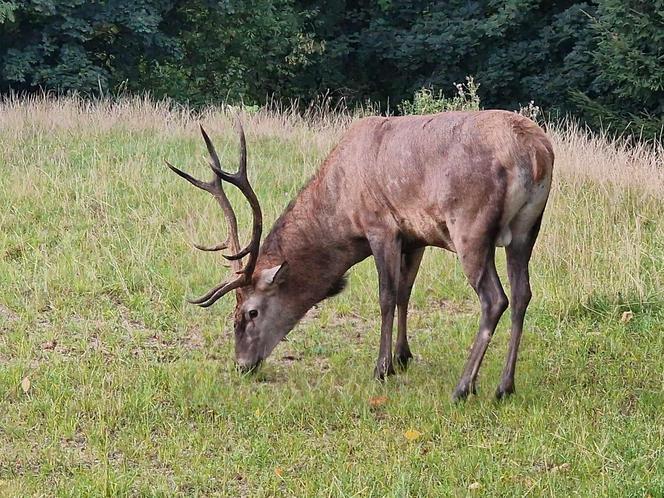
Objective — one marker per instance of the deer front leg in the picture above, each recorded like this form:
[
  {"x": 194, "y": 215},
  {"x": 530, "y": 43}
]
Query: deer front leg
[
  {"x": 410, "y": 263},
  {"x": 386, "y": 250}
]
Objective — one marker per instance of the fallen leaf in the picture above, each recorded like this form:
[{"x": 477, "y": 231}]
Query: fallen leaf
[
  {"x": 279, "y": 471},
  {"x": 627, "y": 316},
  {"x": 377, "y": 401},
  {"x": 257, "y": 413},
  {"x": 475, "y": 485},
  {"x": 411, "y": 435},
  {"x": 25, "y": 385}
]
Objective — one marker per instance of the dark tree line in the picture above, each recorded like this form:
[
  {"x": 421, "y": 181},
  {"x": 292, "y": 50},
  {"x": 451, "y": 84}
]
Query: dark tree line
[{"x": 602, "y": 61}]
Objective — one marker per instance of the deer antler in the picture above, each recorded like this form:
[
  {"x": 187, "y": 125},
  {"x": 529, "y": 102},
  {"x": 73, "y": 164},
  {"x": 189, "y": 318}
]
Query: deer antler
[{"x": 215, "y": 187}]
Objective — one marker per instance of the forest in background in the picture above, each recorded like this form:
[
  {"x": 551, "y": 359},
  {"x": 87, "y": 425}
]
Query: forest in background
[{"x": 601, "y": 61}]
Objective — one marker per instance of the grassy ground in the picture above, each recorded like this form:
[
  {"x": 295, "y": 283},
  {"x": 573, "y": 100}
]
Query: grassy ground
[{"x": 111, "y": 384}]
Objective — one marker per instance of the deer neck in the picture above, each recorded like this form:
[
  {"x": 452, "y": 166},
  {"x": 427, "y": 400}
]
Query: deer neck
[{"x": 314, "y": 237}]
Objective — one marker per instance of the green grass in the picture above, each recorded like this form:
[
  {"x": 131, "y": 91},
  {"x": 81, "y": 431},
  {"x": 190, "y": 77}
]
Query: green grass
[{"x": 133, "y": 392}]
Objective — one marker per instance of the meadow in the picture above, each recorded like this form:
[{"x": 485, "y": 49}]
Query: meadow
[{"x": 111, "y": 384}]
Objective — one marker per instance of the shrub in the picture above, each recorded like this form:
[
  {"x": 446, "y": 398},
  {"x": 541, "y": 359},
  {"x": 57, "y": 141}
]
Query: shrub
[{"x": 427, "y": 101}]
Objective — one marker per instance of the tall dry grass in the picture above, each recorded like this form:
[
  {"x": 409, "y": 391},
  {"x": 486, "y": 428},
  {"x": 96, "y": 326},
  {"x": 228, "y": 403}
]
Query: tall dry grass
[{"x": 580, "y": 153}]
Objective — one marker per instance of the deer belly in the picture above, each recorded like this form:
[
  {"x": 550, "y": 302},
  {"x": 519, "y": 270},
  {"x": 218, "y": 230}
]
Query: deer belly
[{"x": 425, "y": 230}]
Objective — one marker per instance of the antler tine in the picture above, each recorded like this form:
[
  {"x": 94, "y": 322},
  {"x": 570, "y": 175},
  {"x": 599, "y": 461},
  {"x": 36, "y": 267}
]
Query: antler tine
[
  {"x": 239, "y": 177},
  {"x": 241, "y": 181},
  {"x": 218, "y": 247},
  {"x": 194, "y": 181},
  {"x": 216, "y": 189},
  {"x": 219, "y": 291},
  {"x": 254, "y": 243},
  {"x": 215, "y": 164},
  {"x": 242, "y": 170}
]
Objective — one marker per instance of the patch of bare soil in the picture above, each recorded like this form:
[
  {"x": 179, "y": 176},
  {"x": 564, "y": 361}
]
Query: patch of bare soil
[
  {"x": 194, "y": 340},
  {"x": 49, "y": 345},
  {"x": 546, "y": 466},
  {"x": 129, "y": 323},
  {"x": 13, "y": 253},
  {"x": 77, "y": 446},
  {"x": 6, "y": 314},
  {"x": 155, "y": 342},
  {"x": 312, "y": 315},
  {"x": 451, "y": 307}
]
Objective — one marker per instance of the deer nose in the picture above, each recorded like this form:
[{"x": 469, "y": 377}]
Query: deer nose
[{"x": 246, "y": 366}]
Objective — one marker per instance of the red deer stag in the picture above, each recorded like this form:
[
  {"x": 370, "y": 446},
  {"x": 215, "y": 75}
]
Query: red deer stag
[{"x": 463, "y": 181}]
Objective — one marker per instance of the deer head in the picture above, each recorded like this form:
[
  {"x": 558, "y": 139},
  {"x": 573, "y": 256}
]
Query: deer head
[{"x": 262, "y": 316}]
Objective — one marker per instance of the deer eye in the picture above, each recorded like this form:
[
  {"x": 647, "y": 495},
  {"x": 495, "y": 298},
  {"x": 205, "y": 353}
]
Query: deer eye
[{"x": 253, "y": 314}]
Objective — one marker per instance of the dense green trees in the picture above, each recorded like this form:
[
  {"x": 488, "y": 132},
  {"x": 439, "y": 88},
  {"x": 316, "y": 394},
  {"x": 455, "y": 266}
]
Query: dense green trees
[
  {"x": 80, "y": 45},
  {"x": 517, "y": 49},
  {"x": 628, "y": 60},
  {"x": 196, "y": 51},
  {"x": 231, "y": 50},
  {"x": 602, "y": 60}
]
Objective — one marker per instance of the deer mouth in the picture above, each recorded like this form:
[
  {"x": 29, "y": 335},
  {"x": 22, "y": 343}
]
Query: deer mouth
[{"x": 247, "y": 367}]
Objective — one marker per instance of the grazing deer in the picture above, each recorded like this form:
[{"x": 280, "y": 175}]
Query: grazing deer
[{"x": 463, "y": 181}]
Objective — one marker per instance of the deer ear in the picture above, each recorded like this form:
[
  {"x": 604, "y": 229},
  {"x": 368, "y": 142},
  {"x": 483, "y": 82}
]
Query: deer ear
[{"x": 275, "y": 275}]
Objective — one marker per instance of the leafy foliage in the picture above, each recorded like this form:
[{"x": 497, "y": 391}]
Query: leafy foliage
[
  {"x": 426, "y": 101},
  {"x": 628, "y": 91},
  {"x": 78, "y": 44},
  {"x": 194, "y": 51},
  {"x": 6, "y": 11},
  {"x": 518, "y": 49},
  {"x": 238, "y": 51}
]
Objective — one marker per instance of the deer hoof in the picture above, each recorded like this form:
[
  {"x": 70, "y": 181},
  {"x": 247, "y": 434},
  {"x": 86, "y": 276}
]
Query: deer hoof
[
  {"x": 401, "y": 360},
  {"x": 462, "y": 391},
  {"x": 383, "y": 369},
  {"x": 504, "y": 391}
]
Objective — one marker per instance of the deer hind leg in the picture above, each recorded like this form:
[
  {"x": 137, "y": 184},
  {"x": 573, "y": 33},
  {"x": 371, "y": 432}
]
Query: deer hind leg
[
  {"x": 477, "y": 259},
  {"x": 410, "y": 264},
  {"x": 387, "y": 256},
  {"x": 518, "y": 256}
]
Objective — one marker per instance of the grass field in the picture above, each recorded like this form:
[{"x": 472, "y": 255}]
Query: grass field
[{"x": 111, "y": 384}]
